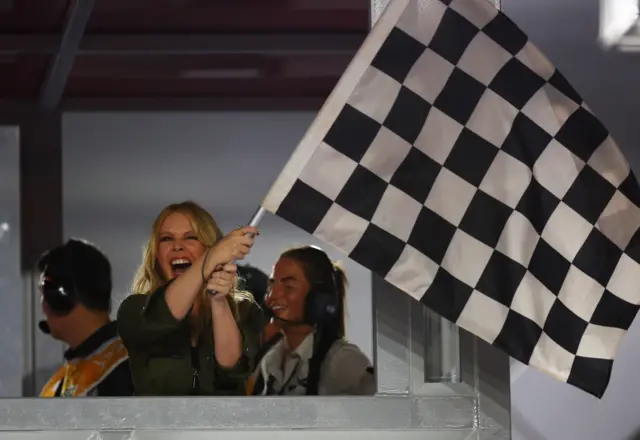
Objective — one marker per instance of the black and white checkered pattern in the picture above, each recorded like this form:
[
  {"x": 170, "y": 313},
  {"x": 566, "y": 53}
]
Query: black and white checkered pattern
[{"x": 466, "y": 171}]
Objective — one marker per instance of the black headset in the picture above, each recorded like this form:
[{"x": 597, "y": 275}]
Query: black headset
[
  {"x": 59, "y": 289},
  {"x": 322, "y": 304}
]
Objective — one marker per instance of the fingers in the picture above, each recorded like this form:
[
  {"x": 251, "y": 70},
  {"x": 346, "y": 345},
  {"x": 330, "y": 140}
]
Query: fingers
[
  {"x": 221, "y": 282},
  {"x": 246, "y": 240},
  {"x": 240, "y": 245},
  {"x": 229, "y": 268},
  {"x": 240, "y": 250},
  {"x": 222, "y": 275},
  {"x": 234, "y": 246},
  {"x": 244, "y": 230}
]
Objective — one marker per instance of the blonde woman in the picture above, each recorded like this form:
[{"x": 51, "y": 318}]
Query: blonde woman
[{"x": 188, "y": 332}]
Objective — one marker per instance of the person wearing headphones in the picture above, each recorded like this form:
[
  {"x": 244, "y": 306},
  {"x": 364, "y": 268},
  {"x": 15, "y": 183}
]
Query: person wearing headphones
[
  {"x": 308, "y": 353},
  {"x": 75, "y": 286}
]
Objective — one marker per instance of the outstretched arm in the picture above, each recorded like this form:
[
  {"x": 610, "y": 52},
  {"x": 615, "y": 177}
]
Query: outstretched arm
[{"x": 181, "y": 294}]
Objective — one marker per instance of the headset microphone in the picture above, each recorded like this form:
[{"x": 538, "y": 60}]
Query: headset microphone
[
  {"x": 288, "y": 321},
  {"x": 320, "y": 308}
]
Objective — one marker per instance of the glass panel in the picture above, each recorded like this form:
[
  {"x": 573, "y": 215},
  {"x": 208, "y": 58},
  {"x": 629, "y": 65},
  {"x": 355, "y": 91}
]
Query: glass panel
[
  {"x": 11, "y": 291},
  {"x": 442, "y": 355},
  {"x": 415, "y": 347}
]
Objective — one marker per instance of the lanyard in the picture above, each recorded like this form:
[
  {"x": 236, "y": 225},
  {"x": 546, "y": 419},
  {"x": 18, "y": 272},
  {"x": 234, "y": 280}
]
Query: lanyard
[{"x": 284, "y": 386}]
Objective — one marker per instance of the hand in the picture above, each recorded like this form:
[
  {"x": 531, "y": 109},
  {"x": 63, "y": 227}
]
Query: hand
[
  {"x": 233, "y": 246},
  {"x": 222, "y": 280}
]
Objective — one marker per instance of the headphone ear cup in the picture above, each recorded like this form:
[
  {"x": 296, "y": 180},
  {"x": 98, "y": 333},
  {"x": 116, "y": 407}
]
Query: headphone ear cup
[
  {"x": 58, "y": 301},
  {"x": 321, "y": 306},
  {"x": 310, "y": 309}
]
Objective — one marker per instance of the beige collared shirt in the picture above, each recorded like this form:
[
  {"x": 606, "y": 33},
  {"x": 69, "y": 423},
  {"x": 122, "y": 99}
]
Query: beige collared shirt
[{"x": 345, "y": 370}]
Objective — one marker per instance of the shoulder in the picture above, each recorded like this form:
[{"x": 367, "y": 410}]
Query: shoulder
[
  {"x": 135, "y": 303},
  {"x": 348, "y": 371},
  {"x": 135, "y": 300},
  {"x": 132, "y": 304},
  {"x": 346, "y": 360},
  {"x": 129, "y": 315},
  {"x": 117, "y": 382},
  {"x": 343, "y": 352}
]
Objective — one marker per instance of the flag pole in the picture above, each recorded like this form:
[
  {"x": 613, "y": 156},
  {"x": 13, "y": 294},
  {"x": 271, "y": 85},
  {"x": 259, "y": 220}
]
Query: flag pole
[{"x": 257, "y": 217}]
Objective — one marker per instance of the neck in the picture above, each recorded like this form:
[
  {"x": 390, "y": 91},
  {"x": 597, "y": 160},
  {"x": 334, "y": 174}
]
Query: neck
[
  {"x": 296, "y": 334},
  {"x": 84, "y": 328}
]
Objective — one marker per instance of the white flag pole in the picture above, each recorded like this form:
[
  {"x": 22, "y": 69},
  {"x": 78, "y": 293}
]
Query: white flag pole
[{"x": 257, "y": 217}]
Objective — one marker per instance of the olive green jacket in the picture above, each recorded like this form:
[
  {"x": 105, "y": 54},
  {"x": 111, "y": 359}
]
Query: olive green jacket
[{"x": 162, "y": 360}]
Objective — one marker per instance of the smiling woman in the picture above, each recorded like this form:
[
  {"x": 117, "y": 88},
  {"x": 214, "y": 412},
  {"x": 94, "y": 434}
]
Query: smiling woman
[
  {"x": 307, "y": 353},
  {"x": 175, "y": 260},
  {"x": 181, "y": 339}
]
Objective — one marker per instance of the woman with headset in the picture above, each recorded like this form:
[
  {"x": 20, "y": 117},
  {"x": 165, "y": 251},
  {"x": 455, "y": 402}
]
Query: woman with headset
[{"x": 307, "y": 353}]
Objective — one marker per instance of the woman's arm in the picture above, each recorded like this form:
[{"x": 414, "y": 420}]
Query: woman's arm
[
  {"x": 227, "y": 338},
  {"x": 181, "y": 293},
  {"x": 226, "y": 334},
  {"x": 236, "y": 340}
]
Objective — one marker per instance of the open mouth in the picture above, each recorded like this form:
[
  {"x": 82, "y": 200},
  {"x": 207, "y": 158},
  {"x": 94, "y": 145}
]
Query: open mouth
[{"x": 179, "y": 266}]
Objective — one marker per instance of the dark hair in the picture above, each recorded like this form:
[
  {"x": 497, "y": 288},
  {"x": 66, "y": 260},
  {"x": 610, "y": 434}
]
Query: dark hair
[
  {"x": 253, "y": 280},
  {"x": 320, "y": 270},
  {"x": 84, "y": 268}
]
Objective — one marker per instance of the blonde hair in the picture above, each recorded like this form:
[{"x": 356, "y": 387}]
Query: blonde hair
[{"x": 149, "y": 278}]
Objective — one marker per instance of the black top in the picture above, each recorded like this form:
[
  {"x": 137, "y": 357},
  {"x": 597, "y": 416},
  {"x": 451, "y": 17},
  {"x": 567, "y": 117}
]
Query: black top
[{"x": 116, "y": 383}]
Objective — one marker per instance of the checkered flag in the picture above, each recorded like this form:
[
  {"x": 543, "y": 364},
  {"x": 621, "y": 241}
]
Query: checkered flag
[{"x": 456, "y": 162}]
